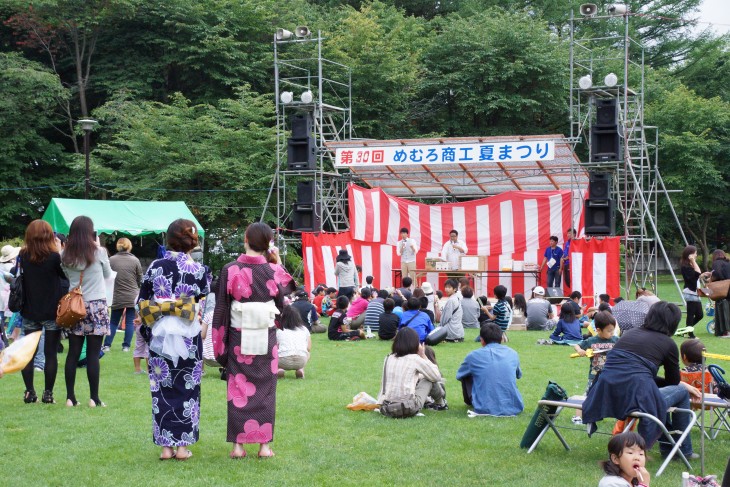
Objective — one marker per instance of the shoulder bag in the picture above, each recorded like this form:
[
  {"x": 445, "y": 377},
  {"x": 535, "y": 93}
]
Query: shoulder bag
[
  {"x": 15, "y": 299},
  {"x": 71, "y": 308}
]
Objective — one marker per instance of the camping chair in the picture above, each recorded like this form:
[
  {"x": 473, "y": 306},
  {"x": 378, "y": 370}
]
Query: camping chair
[{"x": 576, "y": 402}]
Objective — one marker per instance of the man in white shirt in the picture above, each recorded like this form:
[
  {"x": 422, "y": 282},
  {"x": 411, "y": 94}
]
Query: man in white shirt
[
  {"x": 407, "y": 249},
  {"x": 453, "y": 249}
]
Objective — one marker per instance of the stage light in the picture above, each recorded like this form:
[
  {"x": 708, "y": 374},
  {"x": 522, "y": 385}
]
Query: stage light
[
  {"x": 617, "y": 9},
  {"x": 286, "y": 97},
  {"x": 307, "y": 97},
  {"x": 283, "y": 34},
  {"x": 302, "y": 31},
  {"x": 588, "y": 9},
  {"x": 610, "y": 80},
  {"x": 585, "y": 82}
]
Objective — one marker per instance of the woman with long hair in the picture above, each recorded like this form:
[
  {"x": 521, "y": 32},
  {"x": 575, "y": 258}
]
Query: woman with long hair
[
  {"x": 250, "y": 296},
  {"x": 40, "y": 264},
  {"x": 86, "y": 263},
  {"x": 720, "y": 272},
  {"x": 690, "y": 273},
  {"x": 171, "y": 287}
]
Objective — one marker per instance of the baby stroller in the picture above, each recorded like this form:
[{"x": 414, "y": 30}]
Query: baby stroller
[{"x": 710, "y": 312}]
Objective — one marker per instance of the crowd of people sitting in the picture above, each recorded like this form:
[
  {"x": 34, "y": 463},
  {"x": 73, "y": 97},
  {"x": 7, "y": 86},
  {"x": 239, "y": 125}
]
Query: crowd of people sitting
[{"x": 233, "y": 330}]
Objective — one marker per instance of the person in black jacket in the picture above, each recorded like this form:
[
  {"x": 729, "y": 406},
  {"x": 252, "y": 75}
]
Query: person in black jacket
[
  {"x": 720, "y": 272},
  {"x": 691, "y": 272},
  {"x": 40, "y": 263}
]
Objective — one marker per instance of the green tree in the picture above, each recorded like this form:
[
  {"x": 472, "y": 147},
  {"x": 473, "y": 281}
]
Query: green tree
[
  {"x": 218, "y": 158},
  {"x": 694, "y": 137},
  {"x": 29, "y": 94},
  {"x": 382, "y": 47},
  {"x": 492, "y": 73}
]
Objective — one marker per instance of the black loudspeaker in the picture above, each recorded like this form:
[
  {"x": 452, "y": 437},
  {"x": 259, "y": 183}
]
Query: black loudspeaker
[
  {"x": 606, "y": 113},
  {"x": 301, "y": 153},
  {"x": 301, "y": 126},
  {"x": 604, "y": 144},
  {"x": 599, "y": 185},
  {"x": 600, "y": 217},
  {"x": 307, "y": 219},
  {"x": 305, "y": 193}
]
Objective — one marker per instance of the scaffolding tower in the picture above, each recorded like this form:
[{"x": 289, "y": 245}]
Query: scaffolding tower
[
  {"x": 307, "y": 83},
  {"x": 637, "y": 185}
]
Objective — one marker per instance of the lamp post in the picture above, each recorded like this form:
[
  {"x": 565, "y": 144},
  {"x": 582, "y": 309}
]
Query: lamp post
[{"x": 87, "y": 125}]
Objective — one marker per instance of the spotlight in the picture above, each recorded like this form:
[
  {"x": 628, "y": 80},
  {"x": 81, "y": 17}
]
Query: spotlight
[
  {"x": 585, "y": 82},
  {"x": 588, "y": 9},
  {"x": 283, "y": 34},
  {"x": 286, "y": 97},
  {"x": 307, "y": 97},
  {"x": 617, "y": 9},
  {"x": 610, "y": 80},
  {"x": 302, "y": 31}
]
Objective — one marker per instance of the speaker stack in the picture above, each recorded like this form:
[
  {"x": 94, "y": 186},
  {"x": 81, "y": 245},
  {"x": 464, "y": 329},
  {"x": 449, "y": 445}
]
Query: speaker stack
[
  {"x": 301, "y": 151},
  {"x": 600, "y": 209},
  {"x": 604, "y": 132},
  {"x": 307, "y": 216}
]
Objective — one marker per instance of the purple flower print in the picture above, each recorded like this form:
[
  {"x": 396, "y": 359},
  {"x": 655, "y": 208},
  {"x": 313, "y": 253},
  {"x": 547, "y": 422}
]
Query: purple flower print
[
  {"x": 159, "y": 373},
  {"x": 192, "y": 410},
  {"x": 193, "y": 378},
  {"x": 162, "y": 287},
  {"x": 186, "y": 265},
  {"x": 183, "y": 289}
]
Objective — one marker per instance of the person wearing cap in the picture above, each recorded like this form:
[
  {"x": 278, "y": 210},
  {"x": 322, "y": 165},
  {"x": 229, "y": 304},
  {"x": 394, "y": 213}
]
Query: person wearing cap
[
  {"x": 428, "y": 292},
  {"x": 346, "y": 273},
  {"x": 407, "y": 249},
  {"x": 539, "y": 312},
  {"x": 308, "y": 312}
]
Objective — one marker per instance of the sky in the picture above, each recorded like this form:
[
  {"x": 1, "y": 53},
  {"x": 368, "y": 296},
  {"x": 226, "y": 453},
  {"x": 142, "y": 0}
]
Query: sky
[{"x": 716, "y": 12}]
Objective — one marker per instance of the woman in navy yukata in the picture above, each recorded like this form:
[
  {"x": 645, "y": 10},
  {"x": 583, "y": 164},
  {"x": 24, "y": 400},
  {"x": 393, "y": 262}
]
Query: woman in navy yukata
[
  {"x": 250, "y": 295},
  {"x": 170, "y": 288}
]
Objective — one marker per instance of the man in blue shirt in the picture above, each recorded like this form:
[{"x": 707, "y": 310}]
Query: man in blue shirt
[
  {"x": 416, "y": 319},
  {"x": 489, "y": 376},
  {"x": 552, "y": 257},
  {"x": 565, "y": 260}
]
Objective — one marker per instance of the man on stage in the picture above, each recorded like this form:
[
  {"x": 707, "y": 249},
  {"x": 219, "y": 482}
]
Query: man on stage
[
  {"x": 552, "y": 257},
  {"x": 565, "y": 259},
  {"x": 453, "y": 249},
  {"x": 407, "y": 249}
]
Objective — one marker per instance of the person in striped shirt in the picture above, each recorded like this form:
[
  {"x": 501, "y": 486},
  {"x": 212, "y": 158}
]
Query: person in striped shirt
[{"x": 501, "y": 312}]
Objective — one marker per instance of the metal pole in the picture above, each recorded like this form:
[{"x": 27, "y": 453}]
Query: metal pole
[{"x": 86, "y": 151}]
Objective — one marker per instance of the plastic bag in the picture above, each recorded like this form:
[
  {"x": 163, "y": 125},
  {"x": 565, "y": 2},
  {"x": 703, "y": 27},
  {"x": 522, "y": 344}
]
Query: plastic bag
[
  {"x": 19, "y": 353},
  {"x": 363, "y": 402}
]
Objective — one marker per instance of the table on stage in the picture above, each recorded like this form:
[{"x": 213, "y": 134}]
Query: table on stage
[{"x": 475, "y": 276}]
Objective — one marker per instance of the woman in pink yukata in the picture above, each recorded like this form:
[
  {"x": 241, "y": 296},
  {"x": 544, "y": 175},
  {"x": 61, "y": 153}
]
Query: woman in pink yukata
[{"x": 250, "y": 295}]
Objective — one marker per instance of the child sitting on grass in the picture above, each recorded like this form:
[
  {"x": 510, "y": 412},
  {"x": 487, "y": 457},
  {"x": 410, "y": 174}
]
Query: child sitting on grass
[
  {"x": 568, "y": 330},
  {"x": 691, "y": 353},
  {"x": 294, "y": 341},
  {"x": 626, "y": 462},
  {"x": 600, "y": 344},
  {"x": 339, "y": 328}
]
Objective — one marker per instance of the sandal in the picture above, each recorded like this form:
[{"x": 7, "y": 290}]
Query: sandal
[
  {"x": 235, "y": 456},
  {"x": 162, "y": 458},
  {"x": 48, "y": 397},
  {"x": 268, "y": 455},
  {"x": 71, "y": 402},
  {"x": 182, "y": 459},
  {"x": 29, "y": 397},
  {"x": 99, "y": 403}
]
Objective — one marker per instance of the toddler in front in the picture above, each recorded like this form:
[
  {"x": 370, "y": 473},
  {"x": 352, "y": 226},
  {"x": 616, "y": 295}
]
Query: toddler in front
[{"x": 626, "y": 462}]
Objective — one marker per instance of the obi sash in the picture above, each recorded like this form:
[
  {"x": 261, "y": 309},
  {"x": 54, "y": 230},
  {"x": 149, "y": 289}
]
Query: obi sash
[
  {"x": 151, "y": 311},
  {"x": 254, "y": 320}
]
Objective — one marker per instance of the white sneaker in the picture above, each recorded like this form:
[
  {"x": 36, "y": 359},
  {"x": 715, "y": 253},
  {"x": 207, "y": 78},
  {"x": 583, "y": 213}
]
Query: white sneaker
[
  {"x": 577, "y": 420},
  {"x": 125, "y": 349},
  {"x": 105, "y": 349}
]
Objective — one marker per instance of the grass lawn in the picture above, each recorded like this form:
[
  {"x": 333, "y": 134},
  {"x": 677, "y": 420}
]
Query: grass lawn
[{"x": 317, "y": 440}]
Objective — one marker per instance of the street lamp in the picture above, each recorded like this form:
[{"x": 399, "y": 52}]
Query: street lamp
[{"x": 87, "y": 125}]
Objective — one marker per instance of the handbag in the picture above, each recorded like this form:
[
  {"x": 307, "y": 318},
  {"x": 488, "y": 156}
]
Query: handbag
[
  {"x": 71, "y": 308},
  {"x": 398, "y": 407},
  {"x": 15, "y": 298},
  {"x": 715, "y": 290}
]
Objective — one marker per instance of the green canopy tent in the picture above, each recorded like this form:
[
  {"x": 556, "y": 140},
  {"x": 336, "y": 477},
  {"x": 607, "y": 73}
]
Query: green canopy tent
[{"x": 133, "y": 218}]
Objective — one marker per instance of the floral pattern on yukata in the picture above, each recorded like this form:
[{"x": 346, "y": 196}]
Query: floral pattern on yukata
[
  {"x": 176, "y": 390},
  {"x": 251, "y": 392},
  {"x": 96, "y": 321}
]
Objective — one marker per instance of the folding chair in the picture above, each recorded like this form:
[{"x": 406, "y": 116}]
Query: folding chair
[
  {"x": 720, "y": 408},
  {"x": 576, "y": 402}
]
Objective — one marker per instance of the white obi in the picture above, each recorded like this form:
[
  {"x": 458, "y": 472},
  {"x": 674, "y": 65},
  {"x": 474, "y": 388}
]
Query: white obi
[
  {"x": 254, "y": 320},
  {"x": 169, "y": 334}
]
